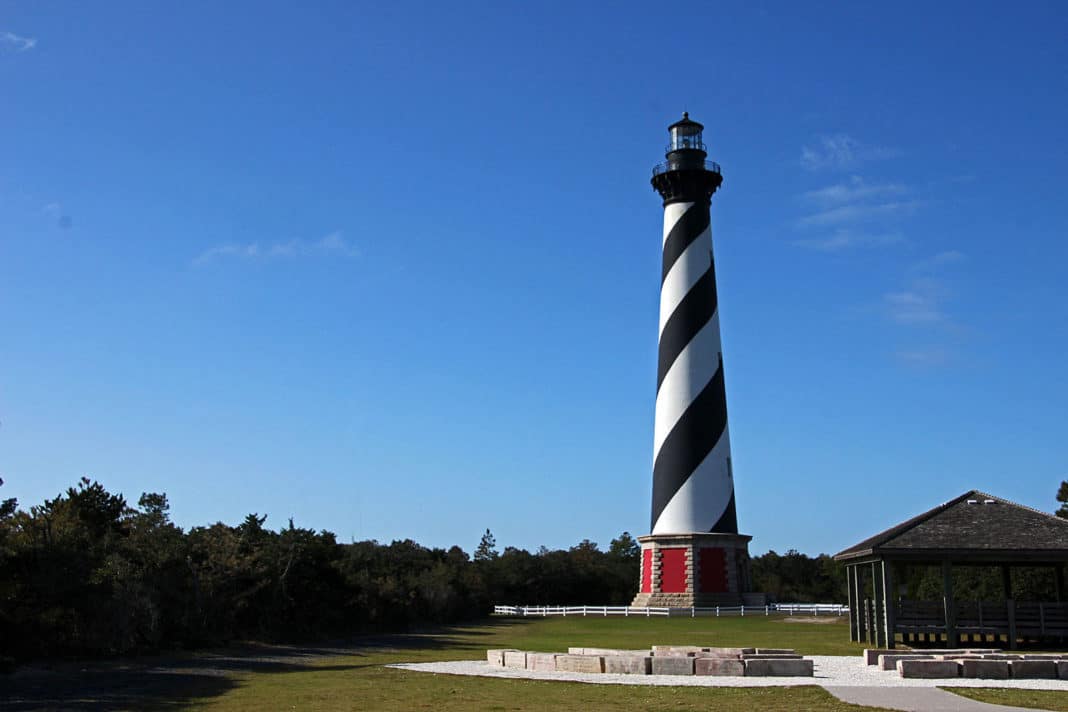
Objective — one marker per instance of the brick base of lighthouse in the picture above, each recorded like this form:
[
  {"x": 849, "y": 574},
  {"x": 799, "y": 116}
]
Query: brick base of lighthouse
[{"x": 698, "y": 569}]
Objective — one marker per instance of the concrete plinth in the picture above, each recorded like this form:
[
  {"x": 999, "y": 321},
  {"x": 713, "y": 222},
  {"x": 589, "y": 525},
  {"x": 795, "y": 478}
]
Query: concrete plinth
[
  {"x": 1033, "y": 669},
  {"x": 721, "y": 582},
  {"x": 720, "y": 667},
  {"x": 889, "y": 662},
  {"x": 986, "y": 669},
  {"x": 928, "y": 669},
  {"x": 871, "y": 655},
  {"x": 580, "y": 663},
  {"x": 495, "y": 657},
  {"x": 672, "y": 665},
  {"x": 677, "y": 649},
  {"x": 515, "y": 659},
  {"x": 778, "y": 668},
  {"x": 541, "y": 662},
  {"x": 628, "y": 664}
]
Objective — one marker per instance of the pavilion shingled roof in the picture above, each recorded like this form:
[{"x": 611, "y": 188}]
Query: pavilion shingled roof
[{"x": 975, "y": 521}]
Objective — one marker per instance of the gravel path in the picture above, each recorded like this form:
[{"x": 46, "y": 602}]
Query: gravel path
[
  {"x": 830, "y": 671},
  {"x": 916, "y": 699}
]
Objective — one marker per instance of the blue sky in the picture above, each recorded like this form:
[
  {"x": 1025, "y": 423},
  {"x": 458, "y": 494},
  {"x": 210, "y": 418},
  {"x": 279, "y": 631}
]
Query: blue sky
[{"x": 392, "y": 269}]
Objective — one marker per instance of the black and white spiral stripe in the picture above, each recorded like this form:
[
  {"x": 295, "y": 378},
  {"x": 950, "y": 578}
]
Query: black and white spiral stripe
[{"x": 693, "y": 489}]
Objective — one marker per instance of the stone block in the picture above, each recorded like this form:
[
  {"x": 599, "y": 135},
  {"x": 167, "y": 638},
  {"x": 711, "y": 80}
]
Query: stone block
[
  {"x": 515, "y": 659},
  {"x": 721, "y": 666},
  {"x": 871, "y": 655},
  {"x": 928, "y": 669},
  {"x": 1062, "y": 669},
  {"x": 729, "y": 652},
  {"x": 775, "y": 651},
  {"x": 628, "y": 664},
  {"x": 677, "y": 649},
  {"x": 672, "y": 665},
  {"x": 580, "y": 663},
  {"x": 784, "y": 656},
  {"x": 985, "y": 669},
  {"x": 604, "y": 651},
  {"x": 781, "y": 667},
  {"x": 1002, "y": 656},
  {"x": 889, "y": 662},
  {"x": 1033, "y": 669},
  {"x": 545, "y": 662},
  {"x": 495, "y": 657}
]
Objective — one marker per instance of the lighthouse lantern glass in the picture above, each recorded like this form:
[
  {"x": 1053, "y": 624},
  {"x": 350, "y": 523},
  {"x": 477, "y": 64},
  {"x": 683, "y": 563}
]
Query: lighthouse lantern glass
[{"x": 686, "y": 137}]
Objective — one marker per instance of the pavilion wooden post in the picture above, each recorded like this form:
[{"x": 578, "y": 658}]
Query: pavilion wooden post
[
  {"x": 862, "y": 604},
  {"x": 879, "y": 600},
  {"x": 950, "y": 605},
  {"x": 854, "y": 604},
  {"x": 1010, "y": 604},
  {"x": 889, "y": 602}
]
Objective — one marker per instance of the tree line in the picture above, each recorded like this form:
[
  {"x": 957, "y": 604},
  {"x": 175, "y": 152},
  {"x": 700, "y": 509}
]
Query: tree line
[{"x": 86, "y": 573}]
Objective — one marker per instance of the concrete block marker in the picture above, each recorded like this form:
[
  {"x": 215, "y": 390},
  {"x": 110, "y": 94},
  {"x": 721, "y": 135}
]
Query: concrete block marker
[
  {"x": 1062, "y": 669},
  {"x": 495, "y": 657},
  {"x": 775, "y": 651},
  {"x": 985, "y": 669},
  {"x": 928, "y": 669},
  {"x": 719, "y": 666},
  {"x": 628, "y": 664},
  {"x": 580, "y": 663},
  {"x": 677, "y": 649},
  {"x": 673, "y": 665},
  {"x": 1033, "y": 669},
  {"x": 889, "y": 662},
  {"x": 729, "y": 652},
  {"x": 515, "y": 659},
  {"x": 782, "y": 656},
  {"x": 541, "y": 661},
  {"x": 778, "y": 668},
  {"x": 604, "y": 651},
  {"x": 871, "y": 655}
]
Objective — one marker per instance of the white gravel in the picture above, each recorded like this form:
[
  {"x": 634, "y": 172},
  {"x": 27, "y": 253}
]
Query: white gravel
[{"x": 830, "y": 671}]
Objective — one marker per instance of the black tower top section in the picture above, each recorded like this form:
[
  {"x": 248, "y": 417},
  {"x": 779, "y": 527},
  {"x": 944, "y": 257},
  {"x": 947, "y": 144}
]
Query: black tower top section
[{"x": 686, "y": 176}]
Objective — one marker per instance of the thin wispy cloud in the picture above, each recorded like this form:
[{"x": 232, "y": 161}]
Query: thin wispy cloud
[
  {"x": 332, "y": 245},
  {"x": 924, "y": 357},
  {"x": 851, "y": 191},
  {"x": 845, "y": 239},
  {"x": 859, "y": 213},
  {"x": 11, "y": 43},
  {"x": 920, "y": 304},
  {"x": 842, "y": 152}
]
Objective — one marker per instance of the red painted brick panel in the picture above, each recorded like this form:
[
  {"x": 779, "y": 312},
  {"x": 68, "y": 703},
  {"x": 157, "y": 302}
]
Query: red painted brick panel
[
  {"x": 713, "y": 571},
  {"x": 647, "y": 571},
  {"x": 673, "y": 570}
]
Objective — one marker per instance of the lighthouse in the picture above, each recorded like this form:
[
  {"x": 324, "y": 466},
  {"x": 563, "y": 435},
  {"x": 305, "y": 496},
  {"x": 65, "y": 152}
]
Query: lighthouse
[{"x": 694, "y": 555}]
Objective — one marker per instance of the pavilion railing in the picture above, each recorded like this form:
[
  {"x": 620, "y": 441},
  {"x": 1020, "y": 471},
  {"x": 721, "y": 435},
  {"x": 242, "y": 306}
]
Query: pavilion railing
[{"x": 1024, "y": 619}]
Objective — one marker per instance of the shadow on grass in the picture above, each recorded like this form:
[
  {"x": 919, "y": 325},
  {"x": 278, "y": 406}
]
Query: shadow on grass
[{"x": 172, "y": 682}]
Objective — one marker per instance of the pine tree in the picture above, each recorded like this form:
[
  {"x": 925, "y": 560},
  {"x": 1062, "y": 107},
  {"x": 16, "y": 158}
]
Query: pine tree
[{"x": 487, "y": 548}]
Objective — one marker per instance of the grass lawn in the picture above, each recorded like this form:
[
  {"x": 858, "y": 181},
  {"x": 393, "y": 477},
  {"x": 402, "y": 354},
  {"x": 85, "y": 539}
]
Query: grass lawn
[
  {"x": 1037, "y": 699},
  {"x": 359, "y": 682},
  {"x": 351, "y": 676}
]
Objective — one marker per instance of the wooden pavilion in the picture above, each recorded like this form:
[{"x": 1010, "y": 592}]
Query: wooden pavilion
[{"x": 974, "y": 529}]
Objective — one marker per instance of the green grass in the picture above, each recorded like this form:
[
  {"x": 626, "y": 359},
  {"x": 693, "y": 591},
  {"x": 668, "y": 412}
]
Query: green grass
[
  {"x": 360, "y": 682},
  {"x": 1036, "y": 699}
]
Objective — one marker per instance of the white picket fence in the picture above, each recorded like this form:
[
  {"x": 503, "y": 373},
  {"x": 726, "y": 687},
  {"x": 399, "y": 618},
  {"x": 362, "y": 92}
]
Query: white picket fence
[{"x": 814, "y": 609}]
